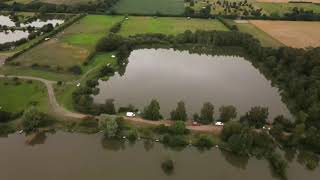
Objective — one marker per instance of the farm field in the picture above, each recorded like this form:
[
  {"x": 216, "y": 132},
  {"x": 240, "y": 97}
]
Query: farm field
[
  {"x": 70, "y": 47},
  {"x": 68, "y": 2},
  {"x": 173, "y": 7},
  {"x": 138, "y": 25},
  {"x": 265, "y": 39},
  {"x": 296, "y": 34},
  {"x": 286, "y": 1},
  {"x": 282, "y": 8},
  {"x": 21, "y": 93}
]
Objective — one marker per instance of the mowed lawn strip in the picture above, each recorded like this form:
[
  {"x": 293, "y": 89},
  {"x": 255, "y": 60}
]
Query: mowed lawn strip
[
  {"x": 173, "y": 7},
  {"x": 18, "y": 97},
  {"x": 166, "y": 25},
  {"x": 297, "y": 34}
]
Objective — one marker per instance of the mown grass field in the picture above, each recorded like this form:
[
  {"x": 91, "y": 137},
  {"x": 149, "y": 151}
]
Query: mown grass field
[
  {"x": 18, "y": 97},
  {"x": 70, "y": 47},
  {"x": 173, "y": 7},
  {"x": 139, "y": 25}
]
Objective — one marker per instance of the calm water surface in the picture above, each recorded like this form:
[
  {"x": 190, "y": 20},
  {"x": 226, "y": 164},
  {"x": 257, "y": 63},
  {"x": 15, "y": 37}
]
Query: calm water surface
[
  {"x": 171, "y": 76},
  {"x": 10, "y": 36},
  {"x": 5, "y": 20},
  {"x": 67, "y": 156},
  {"x": 39, "y": 23}
]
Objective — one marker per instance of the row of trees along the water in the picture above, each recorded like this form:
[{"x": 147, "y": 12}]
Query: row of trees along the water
[{"x": 296, "y": 72}]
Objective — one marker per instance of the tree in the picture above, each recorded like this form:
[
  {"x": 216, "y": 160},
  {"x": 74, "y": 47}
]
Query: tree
[
  {"x": 178, "y": 128},
  {"x": 256, "y": 117},
  {"x": 152, "y": 111},
  {"x": 109, "y": 107},
  {"x": 231, "y": 128},
  {"x": 227, "y": 113},
  {"x": 111, "y": 128},
  {"x": 206, "y": 115},
  {"x": 33, "y": 119},
  {"x": 179, "y": 113}
]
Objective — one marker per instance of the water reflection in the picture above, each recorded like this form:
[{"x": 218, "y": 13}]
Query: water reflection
[
  {"x": 171, "y": 76},
  {"x": 113, "y": 144},
  {"x": 11, "y": 36}
]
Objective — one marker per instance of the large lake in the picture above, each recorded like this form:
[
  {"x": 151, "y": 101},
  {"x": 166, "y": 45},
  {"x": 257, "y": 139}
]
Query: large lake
[
  {"x": 66, "y": 156},
  {"x": 170, "y": 76}
]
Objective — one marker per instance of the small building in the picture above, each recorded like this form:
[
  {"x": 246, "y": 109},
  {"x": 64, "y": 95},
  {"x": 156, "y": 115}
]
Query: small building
[{"x": 130, "y": 114}]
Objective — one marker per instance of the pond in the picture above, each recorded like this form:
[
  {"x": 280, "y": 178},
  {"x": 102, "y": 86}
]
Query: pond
[
  {"x": 67, "y": 156},
  {"x": 39, "y": 23},
  {"x": 6, "y": 21},
  {"x": 11, "y": 36},
  {"x": 170, "y": 76}
]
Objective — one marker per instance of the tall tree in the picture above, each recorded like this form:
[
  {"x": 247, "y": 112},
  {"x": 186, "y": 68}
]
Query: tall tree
[
  {"x": 206, "y": 114},
  {"x": 152, "y": 111},
  {"x": 180, "y": 112},
  {"x": 227, "y": 113}
]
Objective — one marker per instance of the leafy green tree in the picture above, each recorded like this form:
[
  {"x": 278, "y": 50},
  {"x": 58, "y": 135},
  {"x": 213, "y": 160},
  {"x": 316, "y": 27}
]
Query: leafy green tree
[
  {"x": 111, "y": 128},
  {"x": 178, "y": 128},
  {"x": 206, "y": 115},
  {"x": 204, "y": 141},
  {"x": 231, "y": 128},
  {"x": 256, "y": 117},
  {"x": 227, "y": 113},
  {"x": 152, "y": 111},
  {"x": 32, "y": 119},
  {"x": 180, "y": 112}
]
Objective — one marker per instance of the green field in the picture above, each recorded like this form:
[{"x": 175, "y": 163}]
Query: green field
[
  {"x": 17, "y": 97},
  {"x": 173, "y": 7},
  {"x": 139, "y": 25},
  {"x": 264, "y": 38},
  {"x": 278, "y": 9},
  {"x": 70, "y": 47}
]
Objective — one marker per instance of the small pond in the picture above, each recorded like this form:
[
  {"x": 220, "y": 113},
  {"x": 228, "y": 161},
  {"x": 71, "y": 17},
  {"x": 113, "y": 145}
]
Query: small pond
[
  {"x": 11, "y": 36},
  {"x": 170, "y": 76},
  {"x": 39, "y": 23},
  {"x": 67, "y": 156},
  {"x": 6, "y": 21}
]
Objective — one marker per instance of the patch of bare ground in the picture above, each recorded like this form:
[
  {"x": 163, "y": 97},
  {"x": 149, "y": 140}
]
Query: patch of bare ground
[{"x": 297, "y": 34}]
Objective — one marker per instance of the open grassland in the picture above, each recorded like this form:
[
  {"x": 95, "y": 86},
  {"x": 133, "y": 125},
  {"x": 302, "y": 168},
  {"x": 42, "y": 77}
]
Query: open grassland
[
  {"x": 265, "y": 39},
  {"x": 68, "y": 2},
  {"x": 70, "y": 47},
  {"x": 282, "y": 8},
  {"x": 296, "y": 34},
  {"x": 150, "y": 6},
  {"x": 17, "y": 95},
  {"x": 139, "y": 25}
]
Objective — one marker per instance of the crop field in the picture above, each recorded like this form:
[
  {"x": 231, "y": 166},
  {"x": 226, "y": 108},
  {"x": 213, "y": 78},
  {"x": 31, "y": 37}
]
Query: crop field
[
  {"x": 18, "y": 95},
  {"x": 173, "y": 7},
  {"x": 296, "y": 34},
  {"x": 70, "y": 47},
  {"x": 282, "y": 8},
  {"x": 138, "y": 25},
  {"x": 53, "y": 1},
  {"x": 286, "y": 1}
]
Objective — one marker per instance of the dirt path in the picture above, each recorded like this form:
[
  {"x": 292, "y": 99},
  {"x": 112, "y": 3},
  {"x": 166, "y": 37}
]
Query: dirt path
[
  {"x": 201, "y": 128},
  {"x": 56, "y": 108}
]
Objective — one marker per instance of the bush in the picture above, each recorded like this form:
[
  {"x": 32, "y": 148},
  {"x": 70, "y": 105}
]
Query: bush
[
  {"x": 204, "y": 141},
  {"x": 33, "y": 119},
  {"x": 174, "y": 140}
]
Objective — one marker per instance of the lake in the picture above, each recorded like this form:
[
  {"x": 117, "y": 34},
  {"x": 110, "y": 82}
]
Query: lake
[
  {"x": 170, "y": 76},
  {"x": 72, "y": 156},
  {"x": 5, "y": 20},
  {"x": 10, "y": 36}
]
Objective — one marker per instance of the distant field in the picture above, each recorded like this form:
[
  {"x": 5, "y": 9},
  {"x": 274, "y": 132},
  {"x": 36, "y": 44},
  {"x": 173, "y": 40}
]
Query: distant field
[
  {"x": 139, "y": 25},
  {"x": 15, "y": 98},
  {"x": 281, "y": 8},
  {"x": 296, "y": 34},
  {"x": 70, "y": 47},
  {"x": 150, "y": 6},
  {"x": 265, "y": 39}
]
